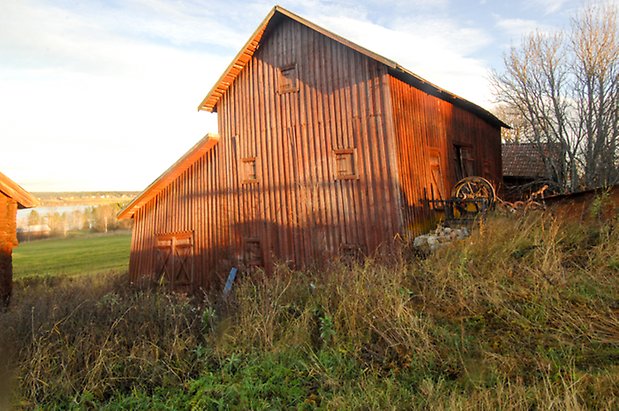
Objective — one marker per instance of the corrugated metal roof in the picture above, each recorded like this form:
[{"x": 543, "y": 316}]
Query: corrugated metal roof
[{"x": 209, "y": 103}]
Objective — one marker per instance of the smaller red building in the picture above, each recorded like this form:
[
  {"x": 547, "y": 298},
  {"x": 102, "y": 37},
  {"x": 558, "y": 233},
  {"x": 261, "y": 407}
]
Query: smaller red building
[
  {"x": 527, "y": 167},
  {"x": 12, "y": 197},
  {"x": 524, "y": 162}
]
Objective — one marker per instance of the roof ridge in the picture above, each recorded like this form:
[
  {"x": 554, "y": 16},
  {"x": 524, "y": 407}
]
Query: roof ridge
[{"x": 209, "y": 102}]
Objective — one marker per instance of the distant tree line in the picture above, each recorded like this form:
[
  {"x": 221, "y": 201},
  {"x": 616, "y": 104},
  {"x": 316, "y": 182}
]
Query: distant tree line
[
  {"x": 98, "y": 219},
  {"x": 561, "y": 90}
]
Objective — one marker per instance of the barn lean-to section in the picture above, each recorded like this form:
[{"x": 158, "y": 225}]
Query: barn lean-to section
[
  {"x": 438, "y": 143},
  {"x": 321, "y": 151},
  {"x": 180, "y": 230}
]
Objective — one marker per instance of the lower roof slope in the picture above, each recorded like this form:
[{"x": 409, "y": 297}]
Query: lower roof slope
[{"x": 202, "y": 147}]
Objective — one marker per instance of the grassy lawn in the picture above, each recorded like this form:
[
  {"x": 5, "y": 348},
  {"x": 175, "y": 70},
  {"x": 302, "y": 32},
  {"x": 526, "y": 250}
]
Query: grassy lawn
[{"x": 86, "y": 254}]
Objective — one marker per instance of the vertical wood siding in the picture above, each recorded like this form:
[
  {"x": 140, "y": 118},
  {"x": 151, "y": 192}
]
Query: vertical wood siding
[
  {"x": 425, "y": 124},
  {"x": 298, "y": 210},
  {"x": 194, "y": 202},
  {"x": 8, "y": 240},
  {"x": 8, "y": 227}
]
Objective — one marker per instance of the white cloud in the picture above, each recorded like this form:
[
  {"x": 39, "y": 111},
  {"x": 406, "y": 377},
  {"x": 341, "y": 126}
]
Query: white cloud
[
  {"x": 437, "y": 49},
  {"x": 102, "y": 110},
  {"x": 517, "y": 28},
  {"x": 547, "y": 6}
]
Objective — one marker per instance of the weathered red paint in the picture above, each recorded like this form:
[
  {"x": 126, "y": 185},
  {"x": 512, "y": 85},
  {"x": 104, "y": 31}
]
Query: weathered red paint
[
  {"x": 323, "y": 148},
  {"x": 12, "y": 197}
]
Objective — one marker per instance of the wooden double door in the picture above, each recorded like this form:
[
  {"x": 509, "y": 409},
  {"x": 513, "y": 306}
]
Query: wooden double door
[{"x": 174, "y": 264}]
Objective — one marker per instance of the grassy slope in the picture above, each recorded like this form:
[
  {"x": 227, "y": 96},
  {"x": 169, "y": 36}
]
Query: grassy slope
[
  {"x": 89, "y": 254},
  {"x": 521, "y": 315}
]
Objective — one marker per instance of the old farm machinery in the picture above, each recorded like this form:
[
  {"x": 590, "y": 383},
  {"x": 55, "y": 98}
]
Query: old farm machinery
[
  {"x": 474, "y": 196},
  {"x": 470, "y": 197}
]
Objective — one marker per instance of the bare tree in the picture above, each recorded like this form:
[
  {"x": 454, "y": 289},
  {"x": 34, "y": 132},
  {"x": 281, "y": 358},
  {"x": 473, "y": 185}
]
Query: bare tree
[
  {"x": 595, "y": 43},
  {"x": 34, "y": 218},
  {"x": 517, "y": 132},
  {"x": 563, "y": 88}
]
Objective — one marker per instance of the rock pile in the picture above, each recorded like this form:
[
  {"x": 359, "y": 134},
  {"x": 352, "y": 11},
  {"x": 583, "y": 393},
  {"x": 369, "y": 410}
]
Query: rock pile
[{"x": 439, "y": 237}]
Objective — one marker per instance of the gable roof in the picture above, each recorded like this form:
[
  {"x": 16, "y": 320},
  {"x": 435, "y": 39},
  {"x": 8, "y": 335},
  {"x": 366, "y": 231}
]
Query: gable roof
[
  {"x": 13, "y": 190},
  {"x": 203, "y": 146},
  {"x": 525, "y": 159},
  {"x": 278, "y": 13}
]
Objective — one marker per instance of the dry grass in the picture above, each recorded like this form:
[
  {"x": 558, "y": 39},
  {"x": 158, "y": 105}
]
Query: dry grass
[
  {"x": 521, "y": 315},
  {"x": 69, "y": 336}
]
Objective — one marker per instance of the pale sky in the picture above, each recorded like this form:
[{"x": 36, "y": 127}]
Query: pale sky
[{"x": 103, "y": 95}]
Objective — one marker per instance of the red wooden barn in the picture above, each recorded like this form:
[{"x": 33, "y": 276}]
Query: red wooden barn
[
  {"x": 12, "y": 197},
  {"x": 323, "y": 147}
]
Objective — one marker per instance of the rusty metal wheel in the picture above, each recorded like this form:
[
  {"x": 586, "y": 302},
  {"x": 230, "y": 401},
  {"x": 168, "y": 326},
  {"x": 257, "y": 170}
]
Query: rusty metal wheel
[{"x": 474, "y": 195}]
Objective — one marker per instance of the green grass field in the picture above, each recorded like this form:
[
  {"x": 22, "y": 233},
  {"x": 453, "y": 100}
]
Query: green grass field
[{"x": 87, "y": 254}]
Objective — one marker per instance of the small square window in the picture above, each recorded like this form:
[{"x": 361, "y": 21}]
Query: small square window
[
  {"x": 249, "y": 170},
  {"x": 253, "y": 253},
  {"x": 287, "y": 82},
  {"x": 351, "y": 253},
  {"x": 345, "y": 164}
]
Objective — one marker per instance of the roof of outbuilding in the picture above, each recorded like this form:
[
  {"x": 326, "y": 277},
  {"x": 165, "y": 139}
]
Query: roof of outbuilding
[
  {"x": 525, "y": 159},
  {"x": 278, "y": 13},
  {"x": 176, "y": 169},
  {"x": 13, "y": 190}
]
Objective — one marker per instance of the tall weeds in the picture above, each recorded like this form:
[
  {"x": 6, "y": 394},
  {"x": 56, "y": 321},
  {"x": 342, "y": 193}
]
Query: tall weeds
[
  {"x": 91, "y": 336},
  {"x": 523, "y": 314}
]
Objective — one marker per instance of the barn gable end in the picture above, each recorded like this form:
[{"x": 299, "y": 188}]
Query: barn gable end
[{"x": 323, "y": 150}]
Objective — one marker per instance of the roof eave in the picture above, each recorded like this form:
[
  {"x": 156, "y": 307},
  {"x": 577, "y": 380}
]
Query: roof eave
[
  {"x": 10, "y": 188},
  {"x": 207, "y": 103},
  {"x": 176, "y": 169},
  {"x": 430, "y": 88}
]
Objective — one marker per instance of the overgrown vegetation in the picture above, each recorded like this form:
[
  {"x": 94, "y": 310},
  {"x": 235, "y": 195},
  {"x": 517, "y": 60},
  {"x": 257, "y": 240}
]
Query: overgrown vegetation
[{"x": 522, "y": 315}]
